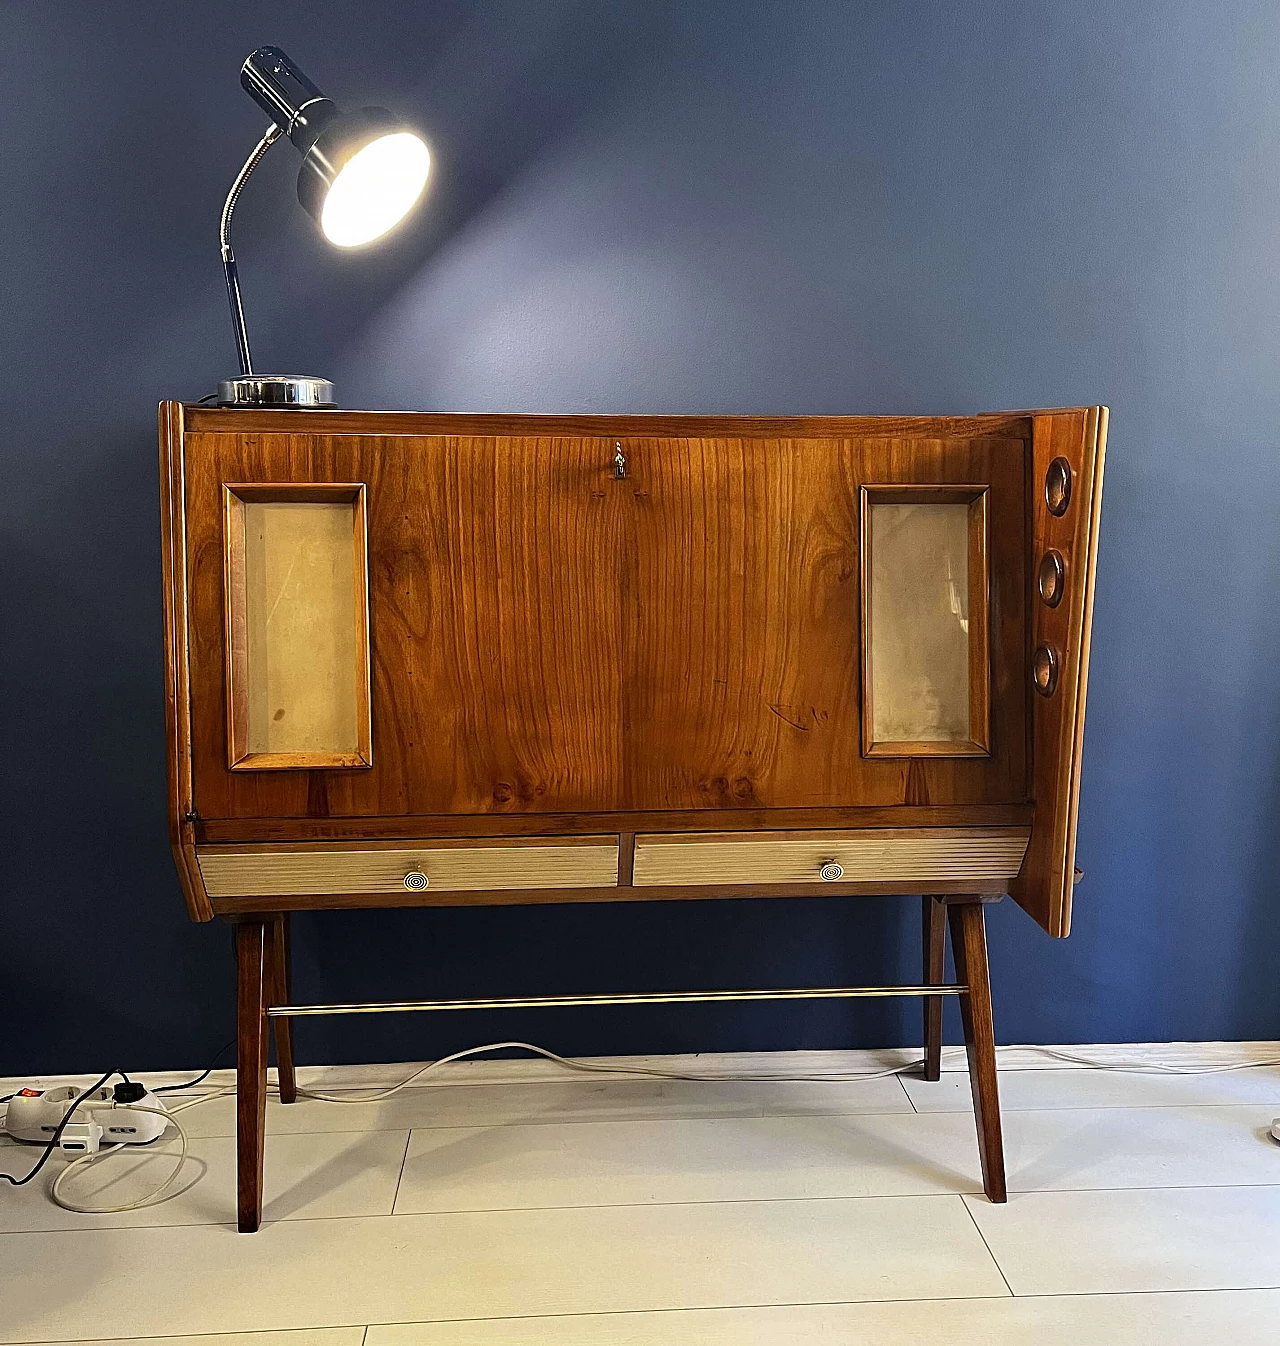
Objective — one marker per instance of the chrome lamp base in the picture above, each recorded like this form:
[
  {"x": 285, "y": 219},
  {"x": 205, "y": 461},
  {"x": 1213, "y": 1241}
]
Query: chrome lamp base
[{"x": 275, "y": 390}]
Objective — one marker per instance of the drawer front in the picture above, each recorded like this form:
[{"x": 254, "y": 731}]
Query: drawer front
[
  {"x": 888, "y": 855},
  {"x": 446, "y": 866}
]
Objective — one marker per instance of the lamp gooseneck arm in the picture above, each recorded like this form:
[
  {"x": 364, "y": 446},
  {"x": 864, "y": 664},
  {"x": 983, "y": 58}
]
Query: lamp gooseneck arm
[{"x": 269, "y": 138}]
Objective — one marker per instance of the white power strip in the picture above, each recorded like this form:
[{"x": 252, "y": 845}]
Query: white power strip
[{"x": 34, "y": 1115}]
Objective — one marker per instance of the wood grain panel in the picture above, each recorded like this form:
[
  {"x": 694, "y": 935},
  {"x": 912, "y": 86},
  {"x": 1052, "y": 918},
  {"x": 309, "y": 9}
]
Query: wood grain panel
[
  {"x": 548, "y": 639},
  {"x": 1044, "y": 887},
  {"x": 249, "y": 871},
  {"x": 494, "y": 618},
  {"x": 958, "y": 855},
  {"x": 741, "y": 648},
  {"x": 742, "y": 631}
]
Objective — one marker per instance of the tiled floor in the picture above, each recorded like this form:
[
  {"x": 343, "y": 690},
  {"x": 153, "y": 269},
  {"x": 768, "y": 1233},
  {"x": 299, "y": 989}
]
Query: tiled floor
[{"x": 1143, "y": 1209}]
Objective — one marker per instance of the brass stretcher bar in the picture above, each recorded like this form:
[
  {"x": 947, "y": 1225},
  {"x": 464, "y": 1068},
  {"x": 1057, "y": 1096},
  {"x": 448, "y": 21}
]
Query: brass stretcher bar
[{"x": 638, "y": 998}]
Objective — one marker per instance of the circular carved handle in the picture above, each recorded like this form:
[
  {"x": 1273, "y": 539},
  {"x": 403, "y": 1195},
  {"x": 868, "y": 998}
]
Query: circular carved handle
[
  {"x": 1057, "y": 486},
  {"x": 1044, "y": 670},
  {"x": 1051, "y": 580},
  {"x": 831, "y": 871},
  {"x": 415, "y": 880}
]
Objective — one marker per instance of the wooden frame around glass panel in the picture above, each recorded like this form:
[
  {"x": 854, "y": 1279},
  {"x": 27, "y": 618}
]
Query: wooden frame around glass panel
[
  {"x": 244, "y": 749},
  {"x": 977, "y": 744}
]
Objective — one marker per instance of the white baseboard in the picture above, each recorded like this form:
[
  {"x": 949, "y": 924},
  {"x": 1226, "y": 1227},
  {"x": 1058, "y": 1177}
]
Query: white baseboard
[{"x": 1175, "y": 1055}]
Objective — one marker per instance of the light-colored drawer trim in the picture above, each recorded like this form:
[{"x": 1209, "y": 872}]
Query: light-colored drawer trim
[
  {"x": 452, "y": 866},
  {"x": 881, "y": 855}
]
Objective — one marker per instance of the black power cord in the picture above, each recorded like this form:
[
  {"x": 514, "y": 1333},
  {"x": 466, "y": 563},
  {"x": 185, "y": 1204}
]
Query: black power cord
[
  {"x": 57, "y": 1135},
  {"x": 200, "y": 1078}
]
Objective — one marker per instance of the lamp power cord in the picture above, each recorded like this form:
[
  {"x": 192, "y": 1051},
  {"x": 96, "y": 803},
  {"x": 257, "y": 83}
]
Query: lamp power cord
[{"x": 163, "y": 1190}]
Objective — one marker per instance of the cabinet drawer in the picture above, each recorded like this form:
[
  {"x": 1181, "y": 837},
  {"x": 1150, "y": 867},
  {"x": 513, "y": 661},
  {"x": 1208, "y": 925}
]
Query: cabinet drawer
[
  {"x": 888, "y": 855},
  {"x": 446, "y": 866}
]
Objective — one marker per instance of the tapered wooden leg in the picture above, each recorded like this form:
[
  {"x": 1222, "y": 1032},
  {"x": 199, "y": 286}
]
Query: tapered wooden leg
[
  {"x": 282, "y": 1029},
  {"x": 935, "y": 971},
  {"x": 253, "y": 941},
  {"x": 969, "y": 949}
]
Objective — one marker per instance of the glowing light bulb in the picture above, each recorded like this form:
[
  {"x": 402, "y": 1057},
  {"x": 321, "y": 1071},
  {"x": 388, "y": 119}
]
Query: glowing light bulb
[{"x": 375, "y": 189}]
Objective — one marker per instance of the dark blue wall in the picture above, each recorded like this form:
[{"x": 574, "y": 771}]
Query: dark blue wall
[{"x": 702, "y": 207}]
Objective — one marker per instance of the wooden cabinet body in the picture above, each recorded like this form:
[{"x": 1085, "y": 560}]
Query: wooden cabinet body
[
  {"x": 431, "y": 660},
  {"x": 465, "y": 648}
]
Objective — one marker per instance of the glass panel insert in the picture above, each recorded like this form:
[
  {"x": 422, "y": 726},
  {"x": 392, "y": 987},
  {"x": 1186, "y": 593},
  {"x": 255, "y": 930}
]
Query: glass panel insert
[
  {"x": 299, "y": 628},
  {"x": 921, "y": 648},
  {"x": 298, "y": 643}
]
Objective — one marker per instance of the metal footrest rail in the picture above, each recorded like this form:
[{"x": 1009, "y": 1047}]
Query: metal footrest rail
[{"x": 638, "y": 998}]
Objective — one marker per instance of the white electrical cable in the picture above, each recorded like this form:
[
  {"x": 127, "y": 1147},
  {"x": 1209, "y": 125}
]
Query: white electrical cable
[
  {"x": 599, "y": 1068},
  {"x": 162, "y": 1192},
  {"x": 152, "y": 1198},
  {"x": 833, "y": 1077},
  {"x": 1151, "y": 1067}
]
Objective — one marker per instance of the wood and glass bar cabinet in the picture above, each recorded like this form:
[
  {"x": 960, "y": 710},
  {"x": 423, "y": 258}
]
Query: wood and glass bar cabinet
[{"x": 429, "y": 660}]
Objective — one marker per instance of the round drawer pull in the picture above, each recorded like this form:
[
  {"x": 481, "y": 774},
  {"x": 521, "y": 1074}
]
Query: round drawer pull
[
  {"x": 1057, "y": 486},
  {"x": 831, "y": 871},
  {"x": 1052, "y": 578},
  {"x": 1044, "y": 670},
  {"x": 415, "y": 880}
]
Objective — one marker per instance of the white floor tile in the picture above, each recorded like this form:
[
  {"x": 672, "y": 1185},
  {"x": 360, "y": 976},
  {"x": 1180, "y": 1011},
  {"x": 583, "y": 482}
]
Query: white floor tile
[
  {"x": 1125, "y": 1241},
  {"x": 1223, "y": 1318},
  {"x": 835, "y": 1098},
  {"x": 1140, "y": 1147},
  {"x": 721, "y": 1159},
  {"x": 1038, "y": 1089},
  {"x": 572, "y": 1101},
  {"x": 735, "y": 1159},
  {"x": 309, "y": 1273},
  {"x": 619, "y": 1212},
  {"x": 306, "y": 1176}
]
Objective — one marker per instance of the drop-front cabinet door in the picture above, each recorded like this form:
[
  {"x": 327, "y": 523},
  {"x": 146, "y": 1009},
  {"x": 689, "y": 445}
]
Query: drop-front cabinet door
[
  {"x": 491, "y": 652},
  {"x": 753, "y": 562},
  {"x": 434, "y": 624}
]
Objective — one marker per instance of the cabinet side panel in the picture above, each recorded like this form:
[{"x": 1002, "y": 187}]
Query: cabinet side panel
[
  {"x": 1067, "y": 447},
  {"x": 177, "y": 697}
]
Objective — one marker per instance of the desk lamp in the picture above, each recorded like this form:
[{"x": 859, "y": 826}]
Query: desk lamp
[{"x": 362, "y": 172}]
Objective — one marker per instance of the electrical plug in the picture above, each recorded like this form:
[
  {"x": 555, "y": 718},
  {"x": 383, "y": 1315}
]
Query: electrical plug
[{"x": 80, "y": 1138}]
